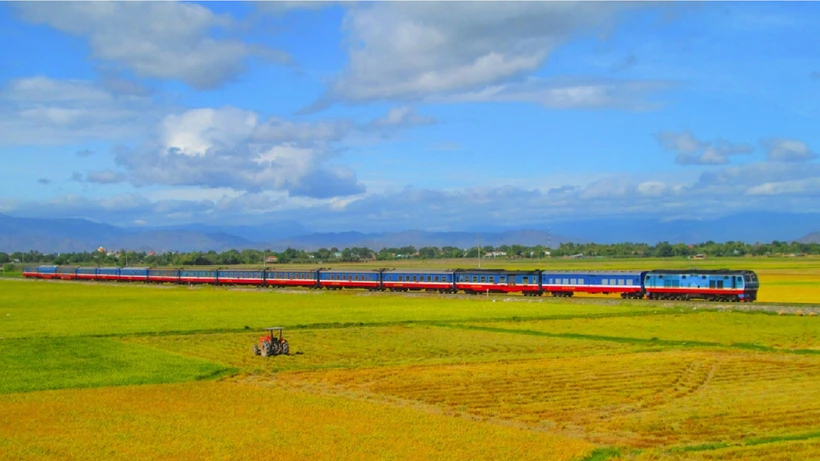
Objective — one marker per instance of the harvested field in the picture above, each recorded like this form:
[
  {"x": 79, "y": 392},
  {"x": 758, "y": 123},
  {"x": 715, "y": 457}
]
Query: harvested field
[
  {"x": 115, "y": 371},
  {"x": 230, "y": 420}
]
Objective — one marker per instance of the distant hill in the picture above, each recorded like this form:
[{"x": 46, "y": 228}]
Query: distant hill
[
  {"x": 814, "y": 237},
  {"x": 744, "y": 227},
  {"x": 72, "y": 235},
  {"x": 418, "y": 239},
  {"x": 77, "y": 235}
]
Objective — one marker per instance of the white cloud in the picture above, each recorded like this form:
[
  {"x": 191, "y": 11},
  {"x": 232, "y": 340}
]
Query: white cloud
[
  {"x": 45, "y": 111},
  {"x": 195, "y": 131},
  {"x": 810, "y": 186},
  {"x": 104, "y": 177},
  {"x": 566, "y": 93},
  {"x": 230, "y": 147},
  {"x": 402, "y": 116},
  {"x": 787, "y": 150},
  {"x": 691, "y": 151},
  {"x": 166, "y": 40},
  {"x": 410, "y": 50}
]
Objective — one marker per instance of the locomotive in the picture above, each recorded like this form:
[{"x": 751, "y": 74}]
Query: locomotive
[{"x": 713, "y": 285}]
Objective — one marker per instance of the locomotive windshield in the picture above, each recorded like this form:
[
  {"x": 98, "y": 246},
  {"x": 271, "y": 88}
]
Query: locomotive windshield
[{"x": 751, "y": 280}]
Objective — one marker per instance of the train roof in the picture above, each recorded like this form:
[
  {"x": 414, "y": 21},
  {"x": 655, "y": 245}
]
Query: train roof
[
  {"x": 417, "y": 271},
  {"x": 585, "y": 272},
  {"x": 496, "y": 271},
  {"x": 701, "y": 271}
]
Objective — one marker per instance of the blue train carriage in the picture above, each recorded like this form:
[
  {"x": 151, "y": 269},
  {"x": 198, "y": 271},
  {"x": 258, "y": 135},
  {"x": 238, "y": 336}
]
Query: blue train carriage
[
  {"x": 66, "y": 272},
  {"x": 242, "y": 277},
  {"x": 714, "y": 285},
  {"x": 108, "y": 273},
  {"x": 414, "y": 279},
  {"x": 134, "y": 274},
  {"x": 163, "y": 275},
  {"x": 473, "y": 281},
  {"x": 86, "y": 273},
  {"x": 567, "y": 283},
  {"x": 198, "y": 276},
  {"x": 336, "y": 279},
  {"x": 40, "y": 272},
  {"x": 291, "y": 278}
]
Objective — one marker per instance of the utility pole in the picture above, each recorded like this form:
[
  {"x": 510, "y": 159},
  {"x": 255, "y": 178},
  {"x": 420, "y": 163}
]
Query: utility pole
[{"x": 479, "y": 251}]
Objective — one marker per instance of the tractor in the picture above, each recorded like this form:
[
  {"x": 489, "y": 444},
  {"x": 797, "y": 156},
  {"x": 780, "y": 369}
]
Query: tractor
[{"x": 270, "y": 345}]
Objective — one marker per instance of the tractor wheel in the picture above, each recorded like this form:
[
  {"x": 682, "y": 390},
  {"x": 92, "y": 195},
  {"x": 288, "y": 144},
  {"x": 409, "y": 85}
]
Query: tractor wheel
[
  {"x": 285, "y": 348},
  {"x": 267, "y": 349},
  {"x": 275, "y": 348},
  {"x": 256, "y": 350}
]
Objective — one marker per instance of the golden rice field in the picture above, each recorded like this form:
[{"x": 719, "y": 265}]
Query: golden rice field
[{"x": 96, "y": 371}]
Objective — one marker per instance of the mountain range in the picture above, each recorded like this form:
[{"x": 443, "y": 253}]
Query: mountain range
[{"x": 76, "y": 235}]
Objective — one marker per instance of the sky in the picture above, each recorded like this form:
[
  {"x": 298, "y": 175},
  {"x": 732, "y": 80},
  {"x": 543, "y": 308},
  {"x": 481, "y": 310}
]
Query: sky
[{"x": 442, "y": 116}]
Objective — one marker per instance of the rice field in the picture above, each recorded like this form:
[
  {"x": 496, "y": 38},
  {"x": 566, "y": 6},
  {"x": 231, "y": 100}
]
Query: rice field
[{"x": 118, "y": 371}]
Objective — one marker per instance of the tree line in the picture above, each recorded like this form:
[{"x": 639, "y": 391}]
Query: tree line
[{"x": 359, "y": 254}]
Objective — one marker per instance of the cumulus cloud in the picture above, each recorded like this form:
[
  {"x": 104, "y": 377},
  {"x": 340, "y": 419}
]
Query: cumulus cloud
[
  {"x": 404, "y": 116},
  {"x": 230, "y": 147},
  {"x": 691, "y": 151},
  {"x": 104, "y": 177},
  {"x": 166, "y": 40},
  {"x": 787, "y": 150},
  {"x": 415, "y": 49},
  {"x": 564, "y": 93},
  {"x": 43, "y": 111}
]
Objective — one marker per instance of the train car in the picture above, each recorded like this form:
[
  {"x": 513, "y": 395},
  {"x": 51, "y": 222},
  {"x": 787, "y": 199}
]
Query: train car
[
  {"x": 31, "y": 272},
  {"x": 66, "y": 272},
  {"x": 108, "y": 273},
  {"x": 292, "y": 278},
  {"x": 242, "y": 277},
  {"x": 191, "y": 276},
  {"x": 715, "y": 285},
  {"x": 163, "y": 275},
  {"x": 134, "y": 274},
  {"x": 475, "y": 281},
  {"x": 46, "y": 272},
  {"x": 410, "y": 279},
  {"x": 86, "y": 273},
  {"x": 564, "y": 283},
  {"x": 336, "y": 279}
]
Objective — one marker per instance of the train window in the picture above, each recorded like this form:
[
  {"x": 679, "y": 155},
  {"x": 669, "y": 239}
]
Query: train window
[
  {"x": 620, "y": 281},
  {"x": 435, "y": 279},
  {"x": 566, "y": 282},
  {"x": 415, "y": 278},
  {"x": 482, "y": 279},
  {"x": 683, "y": 277},
  {"x": 572, "y": 281},
  {"x": 502, "y": 279},
  {"x": 604, "y": 282},
  {"x": 581, "y": 281}
]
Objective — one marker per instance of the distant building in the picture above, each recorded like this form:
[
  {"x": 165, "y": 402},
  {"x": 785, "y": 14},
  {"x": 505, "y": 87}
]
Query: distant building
[
  {"x": 495, "y": 254},
  {"x": 271, "y": 259},
  {"x": 699, "y": 256}
]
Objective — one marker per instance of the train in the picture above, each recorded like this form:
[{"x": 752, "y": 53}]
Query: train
[{"x": 713, "y": 285}]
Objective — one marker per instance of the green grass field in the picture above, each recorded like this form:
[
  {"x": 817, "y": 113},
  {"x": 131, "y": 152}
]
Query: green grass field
[{"x": 118, "y": 371}]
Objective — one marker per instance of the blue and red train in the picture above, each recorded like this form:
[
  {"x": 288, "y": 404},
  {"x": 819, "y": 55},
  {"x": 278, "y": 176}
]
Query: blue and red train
[{"x": 714, "y": 285}]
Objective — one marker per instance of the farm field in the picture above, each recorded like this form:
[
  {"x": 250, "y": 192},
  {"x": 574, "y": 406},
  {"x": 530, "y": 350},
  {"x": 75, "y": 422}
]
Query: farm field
[{"x": 116, "y": 371}]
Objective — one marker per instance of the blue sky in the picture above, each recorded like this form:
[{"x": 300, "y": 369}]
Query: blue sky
[{"x": 389, "y": 116}]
